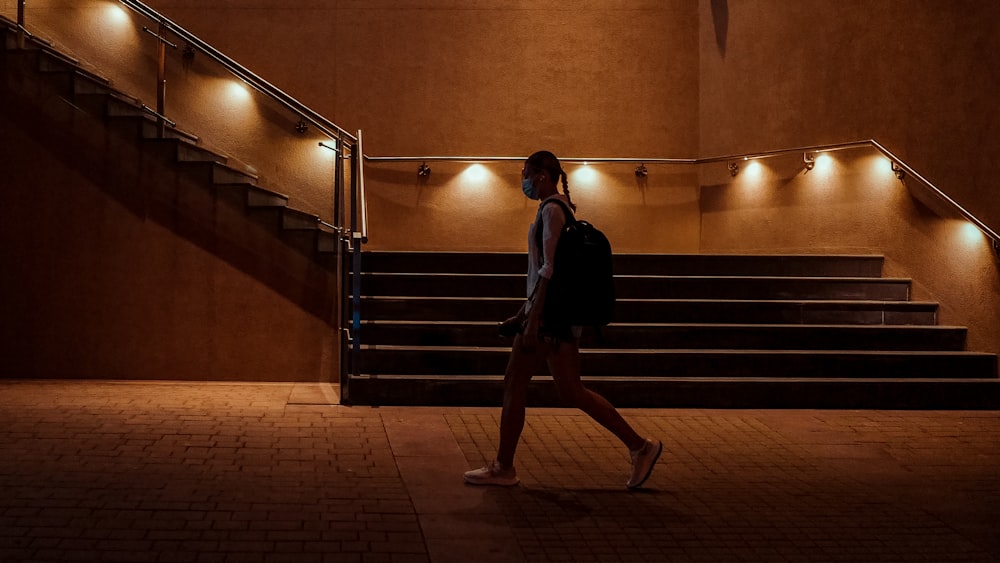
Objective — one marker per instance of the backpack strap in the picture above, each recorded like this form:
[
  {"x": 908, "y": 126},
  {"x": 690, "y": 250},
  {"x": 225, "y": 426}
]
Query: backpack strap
[{"x": 538, "y": 228}]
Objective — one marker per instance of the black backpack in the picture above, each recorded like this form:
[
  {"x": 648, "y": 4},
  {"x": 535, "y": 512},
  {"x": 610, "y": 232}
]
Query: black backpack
[{"x": 582, "y": 289}]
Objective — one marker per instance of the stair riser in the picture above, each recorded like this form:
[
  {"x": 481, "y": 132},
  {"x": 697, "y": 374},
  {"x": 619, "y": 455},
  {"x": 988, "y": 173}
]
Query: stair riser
[
  {"x": 661, "y": 363},
  {"x": 912, "y": 394},
  {"x": 776, "y": 312},
  {"x": 440, "y": 309},
  {"x": 634, "y": 264},
  {"x": 297, "y": 220},
  {"x": 686, "y": 312},
  {"x": 689, "y": 337},
  {"x": 644, "y": 287}
]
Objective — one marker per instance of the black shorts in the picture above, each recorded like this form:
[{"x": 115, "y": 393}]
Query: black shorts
[{"x": 559, "y": 333}]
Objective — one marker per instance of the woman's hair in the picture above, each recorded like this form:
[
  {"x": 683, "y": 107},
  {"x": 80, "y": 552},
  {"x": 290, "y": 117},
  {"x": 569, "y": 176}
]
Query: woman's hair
[{"x": 544, "y": 160}]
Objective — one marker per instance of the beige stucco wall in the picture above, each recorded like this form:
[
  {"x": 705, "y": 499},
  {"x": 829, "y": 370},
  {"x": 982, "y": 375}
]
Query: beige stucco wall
[
  {"x": 919, "y": 77},
  {"x": 639, "y": 78},
  {"x": 489, "y": 78}
]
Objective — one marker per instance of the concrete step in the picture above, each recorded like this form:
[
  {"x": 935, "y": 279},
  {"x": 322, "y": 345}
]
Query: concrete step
[
  {"x": 666, "y": 311},
  {"x": 444, "y": 361},
  {"x": 260, "y": 197},
  {"x": 686, "y": 336},
  {"x": 687, "y": 392},
  {"x": 635, "y": 287},
  {"x": 328, "y": 241},
  {"x": 181, "y": 150},
  {"x": 635, "y": 264},
  {"x": 295, "y": 220}
]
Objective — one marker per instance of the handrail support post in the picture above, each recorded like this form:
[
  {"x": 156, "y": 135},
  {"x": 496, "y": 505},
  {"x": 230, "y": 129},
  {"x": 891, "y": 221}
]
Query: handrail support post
[
  {"x": 20, "y": 24},
  {"x": 161, "y": 80}
]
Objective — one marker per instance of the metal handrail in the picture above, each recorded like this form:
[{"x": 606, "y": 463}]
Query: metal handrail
[
  {"x": 523, "y": 158},
  {"x": 631, "y": 160},
  {"x": 326, "y": 126},
  {"x": 898, "y": 164},
  {"x": 938, "y": 192}
]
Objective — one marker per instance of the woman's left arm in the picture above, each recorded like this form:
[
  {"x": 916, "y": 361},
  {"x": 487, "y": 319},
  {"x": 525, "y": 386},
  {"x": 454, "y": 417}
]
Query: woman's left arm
[{"x": 553, "y": 220}]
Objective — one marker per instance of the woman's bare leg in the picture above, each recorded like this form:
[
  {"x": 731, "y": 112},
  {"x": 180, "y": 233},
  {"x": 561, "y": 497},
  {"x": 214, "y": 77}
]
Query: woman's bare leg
[
  {"x": 520, "y": 368},
  {"x": 564, "y": 365}
]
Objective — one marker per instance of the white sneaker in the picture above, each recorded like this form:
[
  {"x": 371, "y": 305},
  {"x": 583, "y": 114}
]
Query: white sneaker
[
  {"x": 493, "y": 474},
  {"x": 643, "y": 461}
]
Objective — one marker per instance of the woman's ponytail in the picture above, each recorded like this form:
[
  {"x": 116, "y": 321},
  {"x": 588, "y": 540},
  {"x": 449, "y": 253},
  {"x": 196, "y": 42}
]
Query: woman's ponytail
[{"x": 565, "y": 183}]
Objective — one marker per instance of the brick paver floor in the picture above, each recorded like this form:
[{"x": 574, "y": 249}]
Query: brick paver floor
[{"x": 147, "y": 471}]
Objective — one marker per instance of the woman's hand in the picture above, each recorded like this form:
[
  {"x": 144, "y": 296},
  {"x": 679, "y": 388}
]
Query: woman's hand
[
  {"x": 529, "y": 340},
  {"x": 535, "y": 306}
]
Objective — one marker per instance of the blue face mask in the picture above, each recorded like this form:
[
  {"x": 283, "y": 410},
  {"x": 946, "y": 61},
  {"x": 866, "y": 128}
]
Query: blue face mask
[{"x": 529, "y": 188}]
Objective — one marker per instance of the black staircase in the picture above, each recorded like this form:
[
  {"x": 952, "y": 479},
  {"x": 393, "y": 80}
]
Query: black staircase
[{"x": 689, "y": 331}]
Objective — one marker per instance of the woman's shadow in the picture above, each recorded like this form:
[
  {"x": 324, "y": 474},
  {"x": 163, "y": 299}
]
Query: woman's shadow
[{"x": 642, "y": 508}]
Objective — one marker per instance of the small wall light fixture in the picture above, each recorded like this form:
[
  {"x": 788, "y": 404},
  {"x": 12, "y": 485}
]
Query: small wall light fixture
[
  {"x": 900, "y": 173},
  {"x": 424, "y": 171},
  {"x": 734, "y": 169},
  {"x": 301, "y": 127},
  {"x": 809, "y": 159},
  {"x": 641, "y": 171}
]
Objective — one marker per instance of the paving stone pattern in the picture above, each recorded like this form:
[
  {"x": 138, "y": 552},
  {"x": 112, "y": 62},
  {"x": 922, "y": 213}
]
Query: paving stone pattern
[{"x": 155, "y": 471}]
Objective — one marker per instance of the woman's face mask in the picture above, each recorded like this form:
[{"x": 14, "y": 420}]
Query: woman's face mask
[{"x": 529, "y": 188}]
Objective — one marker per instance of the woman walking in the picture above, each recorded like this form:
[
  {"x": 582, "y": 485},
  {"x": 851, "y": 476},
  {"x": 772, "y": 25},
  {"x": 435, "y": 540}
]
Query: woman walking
[{"x": 557, "y": 345}]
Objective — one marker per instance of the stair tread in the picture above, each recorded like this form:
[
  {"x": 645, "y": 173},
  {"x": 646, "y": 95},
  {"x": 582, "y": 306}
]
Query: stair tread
[
  {"x": 693, "y": 351},
  {"x": 693, "y": 326},
  {"x": 667, "y": 379},
  {"x": 653, "y": 276},
  {"x": 810, "y": 302}
]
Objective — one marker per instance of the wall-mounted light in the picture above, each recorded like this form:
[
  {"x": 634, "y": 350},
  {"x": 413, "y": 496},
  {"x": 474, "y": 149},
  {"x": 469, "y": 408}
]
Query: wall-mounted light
[
  {"x": 424, "y": 170},
  {"x": 898, "y": 170},
  {"x": 641, "y": 171},
  {"x": 734, "y": 169},
  {"x": 809, "y": 159},
  {"x": 301, "y": 127}
]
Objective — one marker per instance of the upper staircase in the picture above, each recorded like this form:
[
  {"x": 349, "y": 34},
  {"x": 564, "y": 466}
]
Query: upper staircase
[
  {"x": 166, "y": 173},
  {"x": 689, "y": 331}
]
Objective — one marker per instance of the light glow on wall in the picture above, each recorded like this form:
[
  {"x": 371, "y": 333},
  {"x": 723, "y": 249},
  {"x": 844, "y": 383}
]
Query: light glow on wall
[
  {"x": 878, "y": 170},
  {"x": 112, "y": 27},
  {"x": 971, "y": 233},
  {"x": 475, "y": 174},
  {"x": 328, "y": 150},
  {"x": 585, "y": 176},
  {"x": 753, "y": 171},
  {"x": 824, "y": 163},
  {"x": 237, "y": 92},
  {"x": 227, "y": 105},
  {"x": 115, "y": 14},
  {"x": 477, "y": 181}
]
